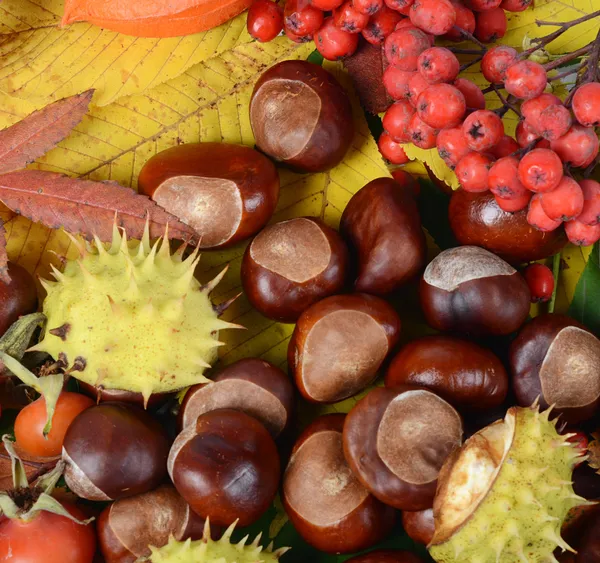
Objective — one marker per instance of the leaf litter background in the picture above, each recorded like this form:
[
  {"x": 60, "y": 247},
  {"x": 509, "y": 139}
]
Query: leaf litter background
[{"x": 151, "y": 94}]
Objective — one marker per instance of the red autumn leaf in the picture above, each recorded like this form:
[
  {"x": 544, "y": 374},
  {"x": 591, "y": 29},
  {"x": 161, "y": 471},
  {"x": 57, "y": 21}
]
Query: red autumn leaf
[
  {"x": 3, "y": 255},
  {"x": 85, "y": 207},
  {"x": 35, "y": 135},
  {"x": 34, "y": 467}
]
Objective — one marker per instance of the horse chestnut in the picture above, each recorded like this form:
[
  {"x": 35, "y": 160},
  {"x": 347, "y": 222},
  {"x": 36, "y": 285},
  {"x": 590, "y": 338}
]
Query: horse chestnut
[
  {"x": 113, "y": 451},
  {"x": 18, "y": 297},
  {"x": 381, "y": 221},
  {"x": 251, "y": 385},
  {"x": 557, "y": 359},
  {"x": 419, "y": 525},
  {"x": 325, "y": 502},
  {"x": 396, "y": 441},
  {"x": 291, "y": 265},
  {"x": 464, "y": 374},
  {"x": 129, "y": 526},
  {"x": 226, "y": 467},
  {"x": 103, "y": 395},
  {"x": 226, "y": 193},
  {"x": 588, "y": 548},
  {"x": 468, "y": 289},
  {"x": 339, "y": 344},
  {"x": 386, "y": 556},
  {"x": 300, "y": 115}
]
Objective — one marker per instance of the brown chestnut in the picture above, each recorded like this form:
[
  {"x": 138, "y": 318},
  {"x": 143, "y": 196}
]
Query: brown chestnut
[
  {"x": 476, "y": 219},
  {"x": 301, "y": 115},
  {"x": 113, "y": 451},
  {"x": 339, "y": 344},
  {"x": 468, "y": 289},
  {"x": 226, "y": 193},
  {"x": 381, "y": 222},
  {"x": 291, "y": 265},
  {"x": 129, "y": 526},
  {"x": 18, "y": 297},
  {"x": 466, "y": 375},
  {"x": 588, "y": 548},
  {"x": 386, "y": 556},
  {"x": 325, "y": 502},
  {"x": 251, "y": 385},
  {"x": 419, "y": 525},
  {"x": 226, "y": 467},
  {"x": 557, "y": 359},
  {"x": 396, "y": 441}
]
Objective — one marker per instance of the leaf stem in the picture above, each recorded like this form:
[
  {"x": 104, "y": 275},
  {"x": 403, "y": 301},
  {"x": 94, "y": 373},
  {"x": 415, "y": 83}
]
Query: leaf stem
[
  {"x": 555, "y": 273},
  {"x": 506, "y": 102}
]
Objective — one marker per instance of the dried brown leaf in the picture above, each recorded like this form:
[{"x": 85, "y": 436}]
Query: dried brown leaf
[
  {"x": 85, "y": 207},
  {"x": 34, "y": 467},
  {"x": 35, "y": 135},
  {"x": 3, "y": 256}
]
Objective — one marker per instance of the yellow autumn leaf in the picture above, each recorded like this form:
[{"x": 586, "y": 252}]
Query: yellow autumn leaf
[
  {"x": 41, "y": 62},
  {"x": 432, "y": 158}
]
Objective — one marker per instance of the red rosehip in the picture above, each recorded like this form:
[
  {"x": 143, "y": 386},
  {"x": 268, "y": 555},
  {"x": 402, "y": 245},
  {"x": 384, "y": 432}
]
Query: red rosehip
[
  {"x": 490, "y": 25},
  {"x": 403, "y": 47},
  {"x": 503, "y": 179},
  {"x": 525, "y": 79},
  {"x": 483, "y": 129},
  {"x": 391, "y": 150},
  {"x": 474, "y": 97},
  {"x": 537, "y": 218},
  {"x": 302, "y": 18},
  {"x": 421, "y": 134},
  {"x": 540, "y": 280},
  {"x": 586, "y": 104},
  {"x": 524, "y": 134},
  {"x": 452, "y": 146},
  {"x": 465, "y": 20},
  {"x": 496, "y": 61},
  {"x": 581, "y": 234},
  {"x": 395, "y": 82},
  {"x": 540, "y": 170},
  {"x": 441, "y": 106},
  {"x": 438, "y": 64},
  {"x": 396, "y": 120},
  {"x": 433, "y": 16},
  {"x": 565, "y": 202},
  {"x": 472, "y": 172},
  {"x": 577, "y": 147},
  {"x": 381, "y": 25},
  {"x": 350, "y": 20},
  {"x": 369, "y": 7},
  {"x": 504, "y": 147},
  {"x": 590, "y": 215},
  {"x": 334, "y": 43},
  {"x": 416, "y": 85},
  {"x": 265, "y": 20},
  {"x": 516, "y": 204}
]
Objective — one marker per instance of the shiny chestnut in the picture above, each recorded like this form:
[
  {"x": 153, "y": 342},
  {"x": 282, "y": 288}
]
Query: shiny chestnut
[
  {"x": 468, "y": 289},
  {"x": 226, "y": 467},
  {"x": 466, "y": 375},
  {"x": 226, "y": 193},
  {"x": 386, "y": 556},
  {"x": 251, "y": 385},
  {"x": 17, "y": 297},
  {"x": 339, "y": 344},
  {"x": 324, "y": 500},
  {"x": 301, "y": 116},
  {"x": 419, "y": 525},
  {"x": 382, "y": 225},
  {"x": 292, "y": 264},
  {"x": 557, "y": 359},
  {"x": 396, "y": 441}
]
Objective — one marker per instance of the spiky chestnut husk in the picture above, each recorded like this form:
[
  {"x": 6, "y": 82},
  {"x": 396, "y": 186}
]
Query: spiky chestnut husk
[
  {"x": 208, "y": 551},
  {"x": 504, "y": 495},
  {"x": 132, "y": 316}
]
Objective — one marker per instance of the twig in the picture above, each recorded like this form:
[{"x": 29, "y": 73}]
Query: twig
[
  {"x": 568, "y": 57},
  {"x": 562, "y": 75},
  {"x": 588, "y": 171},
  {"x": 470, "y": 63},
  {"x": 594, "y": 58},
  {"x": 458, "y": 51},
  {"x": 523, "y": 150},
  {"x": 570, "y": 23},
  {"x": 555, "y": 273},
  {"x": 471, "y": 37},
  {"x": 506, "y": 102}
]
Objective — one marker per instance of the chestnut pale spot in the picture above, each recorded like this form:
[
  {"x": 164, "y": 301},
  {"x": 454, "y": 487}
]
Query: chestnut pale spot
[
  {"x": 241, "y": 395},
  {"x": 211, "y": 206},
  {"x": 570, "y": 372},
  {"x": 284, "y": 114},
  {"x": 417, "y": 432},
  {"x": 462, "y": 264},
  {"x": 318, "y": 483},
  {"x": 342, "y": 354},
  {"x": 297, "y": 250}
]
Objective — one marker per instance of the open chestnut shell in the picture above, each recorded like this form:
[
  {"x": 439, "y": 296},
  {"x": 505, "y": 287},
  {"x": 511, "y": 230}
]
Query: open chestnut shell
[
  {"x": 324, "y": 500},
  {"x": 226, "y": 193},
  {"x": 226, "y": 467},
  {"x": 396, "y": 441},
  {"x": 339, "y": 344},
  {"x": 468, "y": 289},
  {"x": 463, "y": 373},
  {"x": 301, "y": 115},
  {"x": 419, "y": 525},
  {"x": 557, "y": 359},
  {"x": 113, "y": 451},
  {"x": 381, "y": 222},
  {"x": 292, "y": 264},
  {"x": 251, "y": 385},
  {"x": 386, "y": 556},
  {"x": 102, "y": 395}
]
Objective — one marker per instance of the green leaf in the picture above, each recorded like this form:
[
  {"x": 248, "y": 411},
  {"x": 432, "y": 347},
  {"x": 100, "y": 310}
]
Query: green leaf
[{"x": 585, "y": 306}]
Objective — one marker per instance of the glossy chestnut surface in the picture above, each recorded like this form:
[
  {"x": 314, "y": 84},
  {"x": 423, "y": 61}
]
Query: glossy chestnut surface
[
  {"x": 386, "y": 556},
  {"x": 225, "y": 192},
  {"x": 396, "y": 441},
  {"x": 419, "y": 525},
  {"x": 339, "y": 344},
  {"x": 301, "y": 115},
  {"x": 250, "y": 385},
  {"x": 113, "y": 451},
  {"x": 476, "y": 219},
  {"x": 292, "y": 264},
  {"x": 470, "y": 290},
  {"x": 463, "y": 373},
  {"x": 18, "y": 297},
  {"x": 557, "y": 359},
  {"x": 325, "y": 502},
  {"x": 382, "y": 226},
  {"x": 226, "y": 467}
]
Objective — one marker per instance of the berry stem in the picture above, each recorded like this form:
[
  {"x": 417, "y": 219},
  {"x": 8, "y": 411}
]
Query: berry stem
[
  {"x": 471, "y": 63},
  {"x": 569, "y": 24},
  {"x": 506, "y": 102},
  {"x": 458, "y": 51},
  {"x": 588, "y": 171},
  {"x": 568, "y": 57},
  {"x": 471, "y": 37},
  {"x": 555, "y": 273},
  {"x": 594, "y": 58}
]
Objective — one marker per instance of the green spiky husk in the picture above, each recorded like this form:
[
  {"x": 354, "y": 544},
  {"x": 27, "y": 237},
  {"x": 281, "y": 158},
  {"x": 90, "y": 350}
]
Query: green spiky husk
[
  {"x": 520, "y": 517},
  {"x": 133, "y": 316}
]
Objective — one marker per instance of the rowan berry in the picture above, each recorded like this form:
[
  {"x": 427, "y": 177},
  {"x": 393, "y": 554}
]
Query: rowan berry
[
  {"x": 540, "y": 280},
  {"x": 577, "y": 147},
  {"x": 496, "y": 61},
  {"x": 472, "y": 172},
  {"x": 565, "y": 202},
  {"x": 586, "y": 104},
  {"x": 483, "y": 5},
  {"x": 503, "y": 179},
  {"x": 525, "y": 79},
  {"x": 438, "y": 64},
  {"x": 296, "y": 38},
  {"x": 381, "y": 25},
  {"x": 538, "y": 219},
  {"x": 515, "y": 5},
  {"x": 542, "y": 144},
  {"x": 401, "y": 6},
  {"x": 531, "y": 109},
  {"x": 391, "y": 150},
  {"x": 452, "y": 145},
  {"x": 504, "y": 147},
  {"x": 421, "y": 134},
  {"x": 403, "y": 47},
  {"x": 515, "y": 204},
  {"x": 327, "y": 5},
  {"x": 301, "y": 18},
  {"x": 474, "y": 97},
  {"x": 465, "y": 19},
  {"x": 553, "y": 122},
  {"x": 590, "y": 215},
  {"x": 441, "y": 105},
  {"x": 483, "y": 129},
  {"x": 350, "y": 20},
  {"x": 433, "y": 16},
  {"x": 368, "y": 7},
  {"x": 581, "y": 234},
  {"x": 524, "y": 134},
  {"x": 540, "y": 170},
  {"x": 416, "y": 85},
  {"x": 490, "y": 25},
  {"x": 334, "y": 43},
  {"x": 396, "y": 120},
  {"x": 405, "y": 23},
  {"x": 395, "y": 82},
  {"x": 265, "y": 20}
]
